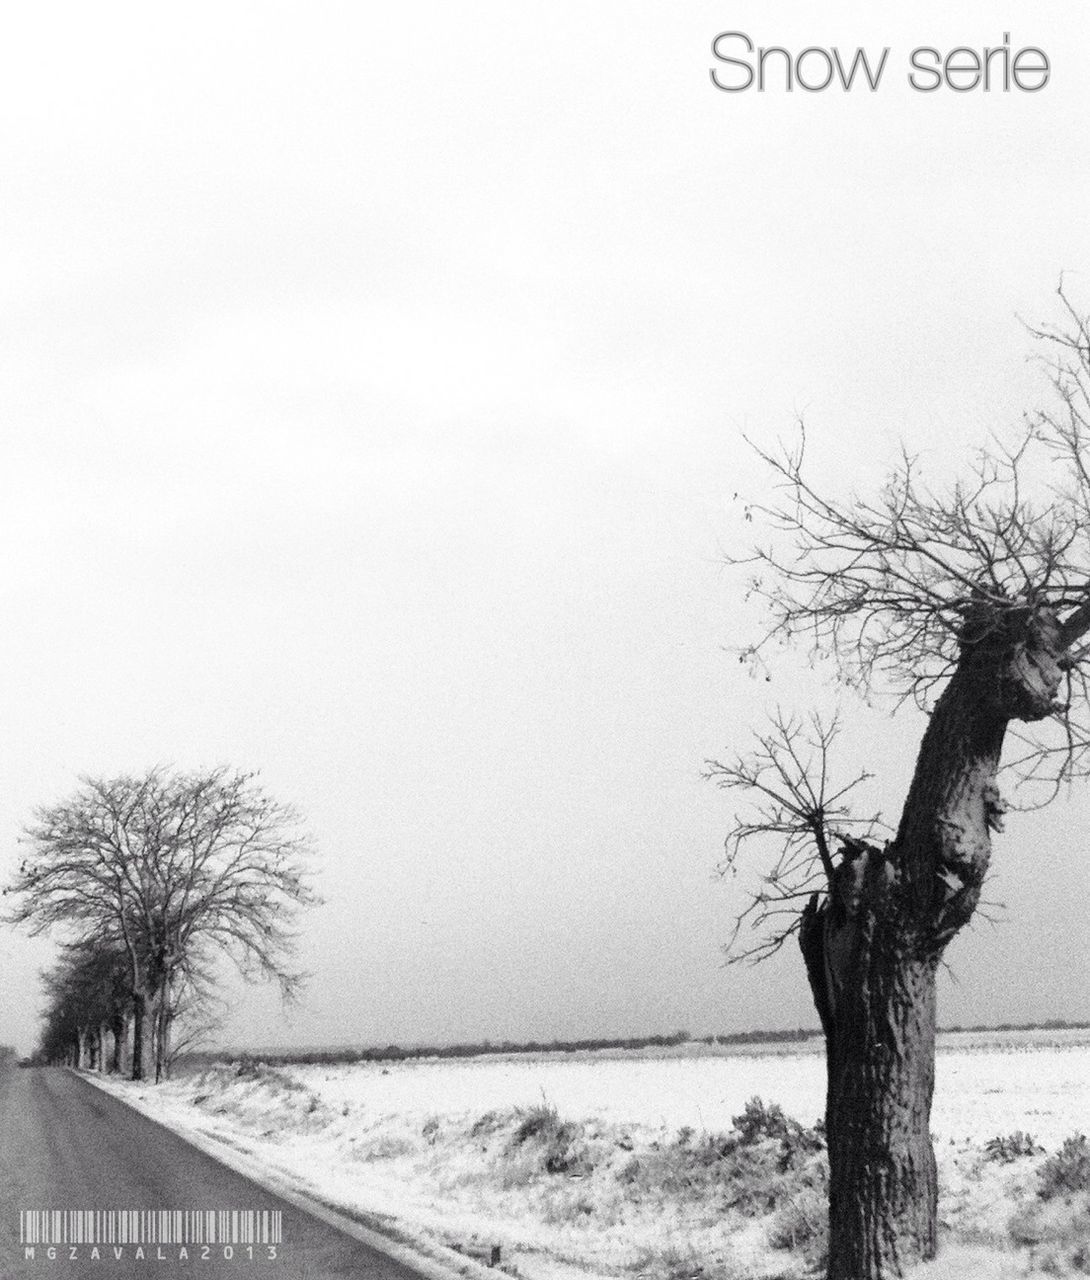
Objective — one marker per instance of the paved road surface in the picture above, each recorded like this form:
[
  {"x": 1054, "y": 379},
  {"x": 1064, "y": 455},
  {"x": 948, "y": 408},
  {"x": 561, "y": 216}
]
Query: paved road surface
[{"x": 65, "y": 1144}]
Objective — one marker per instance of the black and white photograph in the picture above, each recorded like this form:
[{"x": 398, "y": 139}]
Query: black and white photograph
[{"x": 545, "y": 712}]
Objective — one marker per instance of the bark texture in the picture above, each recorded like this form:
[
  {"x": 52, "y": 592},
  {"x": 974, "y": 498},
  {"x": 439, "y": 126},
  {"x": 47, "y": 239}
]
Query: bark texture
[
  {"x": 880, "y": 1048},
  {"x": 872, "y": 946},
  {"x": 117, "y": 1032},
  {"x": 145, "y": 1018},
  {"x": 163, "y": 1042}
]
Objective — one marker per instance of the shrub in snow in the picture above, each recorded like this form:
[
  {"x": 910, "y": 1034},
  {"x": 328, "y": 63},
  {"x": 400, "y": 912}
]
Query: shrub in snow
[
  {"x": 764, "y": 1162},
  {"x": 1068, "y": 1171},
  {"x": 1056, "y": 1226},
  {"x": 758, "y": 1121}
]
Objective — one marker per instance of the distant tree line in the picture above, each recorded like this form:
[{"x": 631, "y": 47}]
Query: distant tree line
[
  {"x": 347, "y": 1054},
  {"x": 153, "y": 880},
  {"x": 398, "y": 1053},
  {"x": 1052, "y": 1024}
]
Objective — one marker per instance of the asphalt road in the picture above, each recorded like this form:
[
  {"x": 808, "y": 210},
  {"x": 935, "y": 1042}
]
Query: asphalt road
[{"x": 66, "y": 1145}]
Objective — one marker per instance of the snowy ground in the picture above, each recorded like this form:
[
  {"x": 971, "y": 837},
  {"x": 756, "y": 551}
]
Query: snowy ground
[{"x": 612, "y": 1164}]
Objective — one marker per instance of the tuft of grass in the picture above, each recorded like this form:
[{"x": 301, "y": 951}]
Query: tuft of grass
[
  {"x": 540, "y": 1120},
  {"x": 385, "y": 1147},
  {"x": 676, "y": 1262},
  {"x": 487, "y": 1124},
  {"x": 556, "y": 1143},
  {"x": 801, "y": 1223},
  {"x": 253, "y": 1069},
  {"x": 1008, "y": 1147}
]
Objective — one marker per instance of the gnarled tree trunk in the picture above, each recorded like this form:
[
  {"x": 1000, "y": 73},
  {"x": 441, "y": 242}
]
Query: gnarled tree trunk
[
  {"x": 880, "y": 1055},
  {"x": 872, "y": 948}
]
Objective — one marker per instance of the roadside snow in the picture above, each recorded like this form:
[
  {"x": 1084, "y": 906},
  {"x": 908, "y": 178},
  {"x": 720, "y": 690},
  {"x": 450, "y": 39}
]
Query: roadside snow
[{"x": 611, "y": 1181}]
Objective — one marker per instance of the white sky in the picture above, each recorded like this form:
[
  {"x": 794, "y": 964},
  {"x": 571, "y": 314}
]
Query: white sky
[{"x": 373, "y": 382}]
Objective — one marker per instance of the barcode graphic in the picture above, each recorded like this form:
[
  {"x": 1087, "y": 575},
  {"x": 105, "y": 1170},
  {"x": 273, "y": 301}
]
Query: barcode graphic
[{"x": 150, "y": 1226}]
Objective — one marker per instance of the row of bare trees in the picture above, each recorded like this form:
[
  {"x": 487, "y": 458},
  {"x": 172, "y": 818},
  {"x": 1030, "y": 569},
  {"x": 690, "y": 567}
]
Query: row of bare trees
[{"x": 153, "y": 881}]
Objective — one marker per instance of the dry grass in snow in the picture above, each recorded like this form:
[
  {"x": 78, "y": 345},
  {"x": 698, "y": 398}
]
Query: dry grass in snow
[{"x": 654, "y": 1166}]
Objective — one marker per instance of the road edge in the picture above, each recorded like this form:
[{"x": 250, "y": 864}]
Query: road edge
[{"x": 431, "y": 1260}]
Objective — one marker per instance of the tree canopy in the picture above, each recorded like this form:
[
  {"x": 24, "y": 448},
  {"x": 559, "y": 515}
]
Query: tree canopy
[
  {"x": 894, "y": 587},
  {"x": 170, "y": 871}
]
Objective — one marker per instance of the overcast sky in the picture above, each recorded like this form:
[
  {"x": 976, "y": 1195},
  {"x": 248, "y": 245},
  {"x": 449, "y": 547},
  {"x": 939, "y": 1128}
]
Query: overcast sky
[{"x": 373, "y": 385}]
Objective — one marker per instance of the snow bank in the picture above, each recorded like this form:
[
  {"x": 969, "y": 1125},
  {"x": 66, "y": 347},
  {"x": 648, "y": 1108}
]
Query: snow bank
[{"x": 625, "y": 1165}]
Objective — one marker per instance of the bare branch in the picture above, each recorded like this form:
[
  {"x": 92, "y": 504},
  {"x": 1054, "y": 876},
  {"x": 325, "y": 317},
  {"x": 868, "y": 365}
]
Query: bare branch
[{"x": 795, "y": 816}]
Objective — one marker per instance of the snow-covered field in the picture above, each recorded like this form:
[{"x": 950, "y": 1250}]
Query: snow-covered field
[
  {"x": 984, "y": 1085},
  {"x": 625, "y": 1164}
]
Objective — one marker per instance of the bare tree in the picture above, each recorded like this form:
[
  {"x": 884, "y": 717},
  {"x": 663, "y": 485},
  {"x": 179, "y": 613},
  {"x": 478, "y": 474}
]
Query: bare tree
[
  {"x": 174, "y": 867},
  {"x": 973, "y": 599}
]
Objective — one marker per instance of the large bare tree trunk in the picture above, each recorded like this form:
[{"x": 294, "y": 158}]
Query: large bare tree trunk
[
  {"x": 880, "y": 1053},
  {"x": 872, "y": 948},
  {"x": 145, "y": 1020}
]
